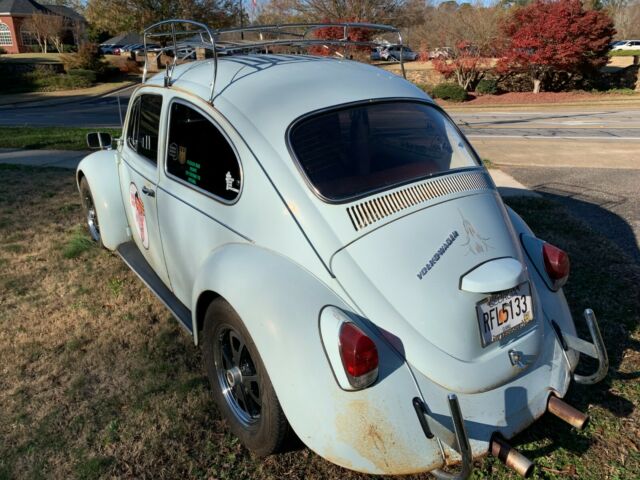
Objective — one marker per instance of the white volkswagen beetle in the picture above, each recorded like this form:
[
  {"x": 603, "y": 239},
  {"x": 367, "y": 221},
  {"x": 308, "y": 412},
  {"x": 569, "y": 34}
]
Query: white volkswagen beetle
[{"x": 332, "y": 241}]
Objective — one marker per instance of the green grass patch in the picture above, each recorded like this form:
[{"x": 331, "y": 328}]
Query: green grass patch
[
  {"x": 488, "y": 163},
  {"x": 54, "y": 138},
  {"x": 78, "y": 243},
  {"x": 624, "y": 53}
]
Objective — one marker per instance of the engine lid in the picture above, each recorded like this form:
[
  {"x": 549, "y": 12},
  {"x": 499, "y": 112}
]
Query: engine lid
[{"x": 418, "y": 264}]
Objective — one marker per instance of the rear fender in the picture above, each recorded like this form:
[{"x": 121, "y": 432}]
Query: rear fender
[
  {"x": 101, "y": 171},
  {"x": 553, "y": 303},
  {"x": 375, "y": 430}
]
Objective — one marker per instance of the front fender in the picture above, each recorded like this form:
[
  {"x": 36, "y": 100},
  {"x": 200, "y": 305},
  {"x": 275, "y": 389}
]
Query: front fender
[
  {"x": 101, "y": 171},
  {"x": 374, "y": 430}
]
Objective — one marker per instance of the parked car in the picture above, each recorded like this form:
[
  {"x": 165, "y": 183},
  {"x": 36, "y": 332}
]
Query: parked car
[
  {"x": 332, "y": 241},
  {"x": 626, "y": 45},
  {"x": 441, "y": 53},
  {"x": 108, "y": 49},
  {"x": 392, "y": 53}
]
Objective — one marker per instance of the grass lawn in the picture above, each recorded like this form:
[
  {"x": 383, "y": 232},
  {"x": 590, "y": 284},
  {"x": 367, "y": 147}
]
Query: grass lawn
[
  {"x": 31, "y": 58},
  {"x": 97, "y": 379},
  {"x": 54, "y": 138}
]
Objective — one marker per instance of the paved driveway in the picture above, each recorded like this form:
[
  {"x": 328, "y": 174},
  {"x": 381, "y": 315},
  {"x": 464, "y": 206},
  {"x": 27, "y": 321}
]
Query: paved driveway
[{"x": 608, "y": 199}]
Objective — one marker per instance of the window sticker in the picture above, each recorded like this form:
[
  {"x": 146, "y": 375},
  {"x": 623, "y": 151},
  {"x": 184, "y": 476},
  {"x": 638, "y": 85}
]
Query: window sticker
[
  {"x": 138, "y": 214},
  {"x": 182, "y": 155},
  {"x": 230, "y": 181},
  {"x": 173, "y": 151}
]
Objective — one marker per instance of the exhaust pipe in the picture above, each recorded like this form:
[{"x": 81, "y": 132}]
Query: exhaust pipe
[
  {"x": 511, "y": 457},
  {"x": 566, "y": 412}
]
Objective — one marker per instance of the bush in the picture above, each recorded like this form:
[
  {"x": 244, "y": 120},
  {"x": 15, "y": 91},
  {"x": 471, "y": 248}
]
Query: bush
[
  {"x": 449, "y": 91},
  {"x": 87, "y": 58},
  {"x": 2, "y": 51},
  {"x": 86, "y": 74},
  {"x": 425, "y": 87},
  {"x": 487, "y": 87}
]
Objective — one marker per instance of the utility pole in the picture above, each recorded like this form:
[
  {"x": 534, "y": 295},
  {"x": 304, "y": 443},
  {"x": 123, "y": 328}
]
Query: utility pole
[{"x": 241, "y": 20}]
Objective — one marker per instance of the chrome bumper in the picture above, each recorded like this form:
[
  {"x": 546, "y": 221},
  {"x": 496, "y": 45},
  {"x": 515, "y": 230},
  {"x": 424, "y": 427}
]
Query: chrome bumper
[{"x": 594, "y": 350}]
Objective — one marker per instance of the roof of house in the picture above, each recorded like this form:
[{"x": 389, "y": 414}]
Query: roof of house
[
  {"x": 64, "y": 11},
  {"x": 21, "y": 7},
  {"x": 124, "y": 39}
]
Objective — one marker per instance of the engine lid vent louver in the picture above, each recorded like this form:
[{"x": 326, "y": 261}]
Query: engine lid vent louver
[{"x": 370, "y": 211}]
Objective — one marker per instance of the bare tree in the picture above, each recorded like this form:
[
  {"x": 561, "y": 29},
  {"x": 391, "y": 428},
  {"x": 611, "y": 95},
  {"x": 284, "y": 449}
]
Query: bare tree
[
  {"x": 626, "y": 17},
  {"x": 38, "y": 26},
  {"x": 56, "y": 28}
]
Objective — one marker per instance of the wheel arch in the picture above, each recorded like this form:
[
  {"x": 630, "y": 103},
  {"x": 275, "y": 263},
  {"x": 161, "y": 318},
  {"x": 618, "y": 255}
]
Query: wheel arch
[
  {"x": 100, "y": 169},
  {"x": 279, "y": 303}
]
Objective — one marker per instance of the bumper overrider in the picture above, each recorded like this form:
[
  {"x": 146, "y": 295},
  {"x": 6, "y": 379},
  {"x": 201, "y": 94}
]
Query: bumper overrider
[{"x": 498, "y": 447}]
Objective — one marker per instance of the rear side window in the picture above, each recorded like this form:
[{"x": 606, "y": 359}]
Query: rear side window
[
  {"x": 199, "y": 154},
  {"x": 144, "y": 126},
  {"x": 356, "y": 150}
]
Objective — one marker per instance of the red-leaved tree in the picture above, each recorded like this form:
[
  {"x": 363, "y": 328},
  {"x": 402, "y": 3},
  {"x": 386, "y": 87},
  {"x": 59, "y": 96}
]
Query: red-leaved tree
[
  {"x": 354, "y": 34},
  {"x": 466, "y": 66},
  {"x": 558, "y": 35}
]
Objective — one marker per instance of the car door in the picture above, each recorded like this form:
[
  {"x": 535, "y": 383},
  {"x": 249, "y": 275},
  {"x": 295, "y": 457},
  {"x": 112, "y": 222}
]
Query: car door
[
  {"x": 201, "y": 182},
  {"x": 140, "y": 152}
]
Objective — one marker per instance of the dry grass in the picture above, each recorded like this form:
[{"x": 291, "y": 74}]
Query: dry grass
[{"x": 97, "y": 380}]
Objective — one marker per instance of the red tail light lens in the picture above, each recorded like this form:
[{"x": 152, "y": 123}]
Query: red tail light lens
[
  {"x": 556, "y": 263},
  {"x": 359, "y": 356}
]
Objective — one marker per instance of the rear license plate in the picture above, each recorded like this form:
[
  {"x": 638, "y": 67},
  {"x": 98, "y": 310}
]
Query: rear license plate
[{"x": 503, "y": 312}]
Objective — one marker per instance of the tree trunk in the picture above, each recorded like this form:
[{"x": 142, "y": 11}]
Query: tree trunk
[{"x": 536, "y": 85}]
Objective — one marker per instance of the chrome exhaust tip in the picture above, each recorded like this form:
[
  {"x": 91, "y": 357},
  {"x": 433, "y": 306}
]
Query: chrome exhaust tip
[
  {"x": 566, "y": 412},
  {"x": 511, "y": 457}
]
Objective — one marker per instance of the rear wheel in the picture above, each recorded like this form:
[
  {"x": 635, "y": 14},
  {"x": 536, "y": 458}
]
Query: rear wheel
[
  {"x": 240, "y": 384},
  {"x": 91, "y": 214}
]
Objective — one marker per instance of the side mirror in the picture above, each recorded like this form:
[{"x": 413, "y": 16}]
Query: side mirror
[{"x": 99, "y": 141}]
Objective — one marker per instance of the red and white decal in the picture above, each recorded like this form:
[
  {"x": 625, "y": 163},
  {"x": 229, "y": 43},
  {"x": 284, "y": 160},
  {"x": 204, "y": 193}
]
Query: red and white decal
[{"x": 138, "y": 214}]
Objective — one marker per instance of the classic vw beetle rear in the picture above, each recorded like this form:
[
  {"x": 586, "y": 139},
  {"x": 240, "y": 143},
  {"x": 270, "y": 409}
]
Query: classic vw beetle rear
[{"x": 362, "y": 283}]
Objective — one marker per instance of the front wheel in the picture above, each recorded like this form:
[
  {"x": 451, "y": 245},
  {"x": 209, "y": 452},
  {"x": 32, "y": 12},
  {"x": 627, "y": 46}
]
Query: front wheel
[
  {"x": 91, "y": 214},
  {"x": 241, "y": 387}
]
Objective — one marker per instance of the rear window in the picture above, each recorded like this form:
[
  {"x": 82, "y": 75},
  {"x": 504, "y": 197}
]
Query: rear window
[{"x": 361, "y": 149}]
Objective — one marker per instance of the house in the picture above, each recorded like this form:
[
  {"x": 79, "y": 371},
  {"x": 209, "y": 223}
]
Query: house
[{"x": 13, "y": 13}]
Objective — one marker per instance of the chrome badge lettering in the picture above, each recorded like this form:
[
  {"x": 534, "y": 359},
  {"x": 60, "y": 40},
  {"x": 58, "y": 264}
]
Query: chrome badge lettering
[{"x": 438, "y": 255}]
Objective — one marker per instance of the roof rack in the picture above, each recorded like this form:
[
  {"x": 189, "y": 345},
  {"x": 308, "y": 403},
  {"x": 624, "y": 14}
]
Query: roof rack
[{"x": 185, "y": 39}]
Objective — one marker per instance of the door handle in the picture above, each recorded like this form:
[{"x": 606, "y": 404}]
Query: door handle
[{"x": 148, "y": 191}]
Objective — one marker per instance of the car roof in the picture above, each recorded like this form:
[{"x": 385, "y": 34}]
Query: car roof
[{"x": 274, "y": 90}]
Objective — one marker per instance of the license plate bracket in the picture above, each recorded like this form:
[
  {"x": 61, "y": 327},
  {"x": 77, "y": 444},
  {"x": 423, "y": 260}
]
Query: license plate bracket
[{"x": 502, "y": 313}]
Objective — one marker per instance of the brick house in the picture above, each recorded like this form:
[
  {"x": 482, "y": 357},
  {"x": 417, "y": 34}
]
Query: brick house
[{"x": 13, "y": 13}]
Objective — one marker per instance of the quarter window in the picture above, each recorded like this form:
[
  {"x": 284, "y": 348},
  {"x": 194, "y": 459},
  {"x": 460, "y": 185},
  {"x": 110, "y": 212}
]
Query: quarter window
[
  {"x": 199, "y": 154},
  {"x": 5, "y": 35},
  {"x": 144, "y": 126}
]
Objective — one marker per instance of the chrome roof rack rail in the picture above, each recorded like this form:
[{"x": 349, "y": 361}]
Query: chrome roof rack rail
[{"x": 183, "y": 43}]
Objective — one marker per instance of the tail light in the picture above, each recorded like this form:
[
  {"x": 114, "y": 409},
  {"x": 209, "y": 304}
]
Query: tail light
[
  {"x": 359, "y": 356},
  {"x": 556, "y": 263}
]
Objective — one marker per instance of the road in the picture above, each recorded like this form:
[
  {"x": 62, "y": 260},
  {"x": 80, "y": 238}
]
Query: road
[
  {"x": 607, "y": 199},
  {"x": 609, "y": 123},
  {"x": 88, "y": 112}
]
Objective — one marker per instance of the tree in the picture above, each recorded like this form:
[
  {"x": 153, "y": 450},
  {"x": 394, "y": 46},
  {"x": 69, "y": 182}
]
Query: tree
[
  {"x": 555, "y": 36},
  {"x": 45, "y": 28},
  {"x": 119, "y": 16},
  {"x": 467, "y": 66}
]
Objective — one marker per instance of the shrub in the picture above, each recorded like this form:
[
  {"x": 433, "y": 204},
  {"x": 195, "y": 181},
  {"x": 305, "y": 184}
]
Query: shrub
[
  {"x": 449, "y": 91},
  {"x": 2, "y": 51},
  {"x": 487, "y": 87},
  {"x": 87, "y": 58},
  {"x": 89, "y": 75},
  {"x": 425, "y": 87}
]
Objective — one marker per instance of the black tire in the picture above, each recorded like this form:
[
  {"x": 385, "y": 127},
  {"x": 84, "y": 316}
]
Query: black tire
[
  {"x": 240, "y": 383},
  {"x": 91, "y": 214}
]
